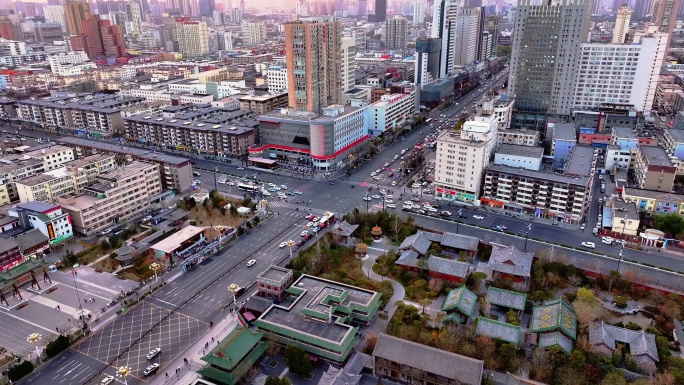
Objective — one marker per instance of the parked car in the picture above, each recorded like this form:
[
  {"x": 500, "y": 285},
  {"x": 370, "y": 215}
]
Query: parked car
[
  {"x": 153, "y": 353},
  {"x": 151, "y": 369},
  {"x": 478, "y": 217}
]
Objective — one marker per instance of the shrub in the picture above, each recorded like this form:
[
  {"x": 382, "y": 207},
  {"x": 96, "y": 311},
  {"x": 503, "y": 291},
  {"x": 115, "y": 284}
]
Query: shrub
[
  {"x": 620, "y": 302},
  {"x": 57, "y": 346},
  {"x": 17, "y": 372}
]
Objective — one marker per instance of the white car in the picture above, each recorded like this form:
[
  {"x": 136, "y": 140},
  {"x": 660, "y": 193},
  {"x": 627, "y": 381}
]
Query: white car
[
  {"x": 282, "y": 186},
  {"x": 376, "y": 197},
  {"x": 231, "y": 183},
  {"x": 367, "y": 199},
  {"x": 394, "y": 183},
  {"x": 151, "y": 369},
  {"x": 431, "y": 209},
  {"x": 479, "y": 217},
  {"x": 153, "y": 353},
  {"x": 391, "y": 206},
  {"x": 266, "y": 193},
  {"x": 222, "y": 182},
  {"x": 607, "y": 240},
  {"x": 383, "y": 192},
  {"x": 107, "y": 380},
  {"x": 590, "y": 245},
  {"x": 282, "y": 244},
  {"x": 310, "y": 224},
  {"x": 251, "y": 262},
  {"x": 304, "y": 233}
]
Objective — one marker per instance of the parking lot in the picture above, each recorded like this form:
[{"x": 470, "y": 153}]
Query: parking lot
[{"x": 143, "y": 328}]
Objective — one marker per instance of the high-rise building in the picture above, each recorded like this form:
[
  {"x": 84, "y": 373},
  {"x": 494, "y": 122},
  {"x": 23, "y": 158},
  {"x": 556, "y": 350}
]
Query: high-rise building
[
  {"x": 444, "y": 28},
  {"x": 618, "y": 62},
  {"x": 9, "y": 30},
  {"x": 642, "y": 8},
  {"x": 363, "y": 8},
  {"x": 428, "y": 61},
  {"x": 664, "y": 15},
  {"x": 76, "y": 12},
  {"x": 621, "y": 24},
  {"x": 380, "y": 11},
  {"x": 242, "y": 7},
  {"x": 253, "y": 33},
  {"x": 234, "y": 15},
  {"x": 134, "y": 24},
  {"x": 313, "y": 56},
  {"x": 396, "y": 31},
  {"x": 348, "y": 64},
  {"x": 228, "y": 40},
  {"x": 418, "y": 12},
  {"x": 192, "y": 37},
  {"x": 55, "y": 13},
  {"x": 468, "y": 35},
  {"x": 546, "y": 47},
  {"x": 99, "y": 39}
]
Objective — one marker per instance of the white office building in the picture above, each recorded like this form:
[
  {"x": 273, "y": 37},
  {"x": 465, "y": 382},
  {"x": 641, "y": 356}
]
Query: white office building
[
  {"x": 277, "y": 78},
  {"x": 390, "y": 113},
  {"x": 348, "y": 72},
  {"x": 468, "y": 35},
  {"x": 624, "y": 14},
  {"x": 418, "y": 12},
  {"x": 56, "y": 14},
  {"x": 59, "y": 61},
  {"x": 620, "y": 73},
  {"x": 444, "y": 27}
]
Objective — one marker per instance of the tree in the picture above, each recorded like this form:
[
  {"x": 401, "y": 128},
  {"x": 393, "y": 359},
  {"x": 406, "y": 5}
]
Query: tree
[
  {"x": 17, "y": 372},
  {"x": 670, "y": 223},
  {"x": 275, "y": 380},
  {"x": 316, "y": 260},
  {"x": 664, "y": 378},
  {"x": 57, "y": 346},
  {"x": 424, "y": 302},
  {"x": 569, "y": 376},
  {"x": 541, "y": 365},
  {"x": 422, "y": 266},
  {"x": 585, "y": 295},
  {"x": 614, "y": 378},
  {"x": 298, "y": 361},
  {"x": 587, "y": 312},
  {"x": 371, "y": 341},
  {"x": 503, "y": 50},
  {"x": 104, "y": 245}
]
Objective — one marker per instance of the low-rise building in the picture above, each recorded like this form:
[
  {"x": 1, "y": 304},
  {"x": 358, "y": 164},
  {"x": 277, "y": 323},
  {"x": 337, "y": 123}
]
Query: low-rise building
[
  {"x": 53, "y": 157},
  {"x": 520, "y": 137},
  {"x": 555, "y": 324},
  {"x": 654, "y": 202},
  {"x": 320, "y": 316},
  {"x": 326, "y": 141},
  {"x": 261, "y": 104},
  {"x": 607, "y": 339},
  {"x": 14, "y": 170},
  {"x": 624, "y": 218},
  {"x": 673, "y": 143},
  {"x": 563, "y": 140},
  {"x": 618, "y": 159},
  {"x": 409, "y": 362},
  {"x": 116, "y": 196},
  {"x": 526, "y": 157},
  {"x": 653, "y": 169},
  {"x": 47, "y": 218},
  {"x": 175, "y": 171},
  {"x": 390, "y": 113},
  {"x": 48, "y": 186}
]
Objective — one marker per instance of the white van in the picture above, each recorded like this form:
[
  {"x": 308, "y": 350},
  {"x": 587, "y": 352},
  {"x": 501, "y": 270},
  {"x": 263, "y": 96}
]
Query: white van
[{"x": 52, "y": 269}]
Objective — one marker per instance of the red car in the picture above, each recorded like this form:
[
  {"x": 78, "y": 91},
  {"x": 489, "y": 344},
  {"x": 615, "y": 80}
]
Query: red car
[{"x": 310, "y": 217}]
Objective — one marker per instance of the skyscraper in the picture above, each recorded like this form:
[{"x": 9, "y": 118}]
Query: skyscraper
[
  {"x": 253, "y": 33},
  {"x": 491, "y": 25},
  {"x": 134, "y": 18},
  {"x": 444, "y": 28},
  {"x": 313, "y": 57},
  {"x": 55, "y": 13},
  {"x": 192, "y": 37},
  {"x": 621, "y": 24},
  {"x": 380, "y": 11},
  {"x": 468, "y": 35},
  {"x": 427, "y": 60},
  {"x": 396, "y": 31},
  {"x": 418, "y": 12},
  {"x": 99, "y": 39},
  {"x": 76, "y": 12},
  {"x": 545, "y": 53},
  {"x": 242, "y": 7},
  {"x": 664, "y": 15},
  {"x": 363, "y": 7}
]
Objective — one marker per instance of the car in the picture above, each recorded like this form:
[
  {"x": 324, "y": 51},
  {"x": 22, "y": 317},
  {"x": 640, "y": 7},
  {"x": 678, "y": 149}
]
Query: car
[
  {"x": 445, "y": 213},
  {"x": 315, "y": 229},
  {"x": 222, "y": 181},
  {"x": 310, "y": 224},
  {"x": 244, "y": 179},
  {"x": 282, "y": 244},
  {"x": 151, "y": 369},
  {"x": 391, "y": 206},
  {"x": 386, "y": 164},
  {"x": 304, "y": 233},
  {"x": 147, "y": 218},
  {"x": 107, "y": 380},
  {"x": 298, "y": 192},
  {"x": 431, "y": 209},
  {"x": 196, "y": 181},
  {"x": 396, "y": 157},
  {"x": 394, "y": 183},
  {"x": 105, "y": 232},
  {"x": 582, "y": 226},
  {"x": 590, "y": 245},
  {"x": 498, "y": 228},
  {"x": 153, "y": 353},
  {"x": 301, "y": 242},
  {"x": 422, "y": 212},
  {"x": 416, "y": 199},
  {"x": 266, "y": 193},
  {"x": 283, "y": 187},
  {"x": 376, "y": 178},
  {"x": 240, "y": 168},
  {"x": 309, "y": 217},
  {"x": 272, "y": 189},
  {"x": 376, "y": 196},
  {"x": 316, "y": 219},
  {"x": 620, "y": 242},
  {"x": 251, "y": 262},
  {"x": 607, "y": 240}
]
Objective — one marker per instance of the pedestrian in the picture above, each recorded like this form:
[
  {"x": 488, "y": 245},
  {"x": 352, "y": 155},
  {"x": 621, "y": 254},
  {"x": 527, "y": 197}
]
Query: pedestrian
[
  {"x": 167, "y": 374},
  {"x": 204, "y": 352},
  {"x": 212, "y": 340},
  {"x": 56, "y": 328}
]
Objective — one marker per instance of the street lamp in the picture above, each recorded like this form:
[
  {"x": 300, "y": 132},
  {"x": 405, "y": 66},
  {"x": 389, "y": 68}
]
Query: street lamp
[
  {"x": 527, "y": 234},
  {"x": 123, "y": 372},
  {"x": 215, "y": 180},
  {"x": 367, "y": 200},
  {"x": 34, "y": 339},
  {"x": 154, "y": 266},
  {"x": 290, "y": 243},
  {"x": 624, "y": 225},
  {"x": 234, "y": 289},
  {"x": 458, "y": 219}
]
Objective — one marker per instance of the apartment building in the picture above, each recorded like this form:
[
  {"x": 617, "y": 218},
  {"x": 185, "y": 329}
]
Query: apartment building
[
  {"x": 654, "y": 202},
  {"x": 468, "y": 35},
  {"x": 48, "y": 186},
  {"x": 517, "y": 183},
  {"x": 253, "y": 34},
  {"x": 53, "y": 157},
  {"x": 618, "y": 158},
  {"x": 277, "y": 78},
  {"x": 74, "y": 57},
  {"x": 97, "y": 112},
  {"x": 14, "y": 170},
  {"x": 206, "y": 136},
  {"x": 47, "y": 218},
  {"x": 563, "y": 141},
  {"x": 653, "y": 169},
  {"x": 324, "y": 141},
  {"x": 261, "y": 104},
  {"x": 175, "y": 171},
  {"x": 396, "y": 32},
  {"x": 673, "y": 143},
  {"x": 390, "y": 113},
  {"x": 522, "y": 137},
  {"x": 192, "y": 37},
  {"x": 114, "y": 197}
]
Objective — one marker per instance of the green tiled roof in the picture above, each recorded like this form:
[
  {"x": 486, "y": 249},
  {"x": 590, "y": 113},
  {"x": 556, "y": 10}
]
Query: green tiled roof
[
  {"x": 552, "y": 315},
  {"x": 462, "y": 299},
  {"x": 234, "y": 348},
  {"x": 507, "y": 298},
  {"x": 495, "y": 329}
]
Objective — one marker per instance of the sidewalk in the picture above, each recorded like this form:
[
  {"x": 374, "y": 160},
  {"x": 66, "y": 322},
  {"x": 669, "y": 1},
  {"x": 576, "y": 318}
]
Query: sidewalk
[
  {"x": 180, "y": 372},
  {"x": 380, "y": 325}
]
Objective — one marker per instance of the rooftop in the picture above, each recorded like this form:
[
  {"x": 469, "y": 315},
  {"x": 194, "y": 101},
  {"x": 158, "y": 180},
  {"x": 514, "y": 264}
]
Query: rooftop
[
  {"x": 640, "y": 342},
  {"x": 518, "y": 150},
  {"x": 462, "y": 299},
  {"x": 506, "y": 298},
  {"x": 624, "y": 209},
  {"x": 86, "y": 160},
  {"x": 550, "y": 176},
  {"x": 565, "y": 131},
  {"x": 676, "y": 135},
  {"x": 510, "y": 260},
  {"x": 262, "y": 98},
  {"x": 186, "y": 121},
  {"x": 552, "y": 315},
  {"x": 103, "y": 146},
  {"x": 453, "y": 366},
  {"x": 304, "y": 116},
  {"x": 657, "y": 195},
  {"x": 311, "y": 310},
  {"x": 274, "y": 273},
  {"x": 172, "y": 243},
  {"x": 579, "y": 162},
  {"x": 47, "y": 151},
  {"x": 125, "y": 171},
  {"x": 624, "y": 133},
  {"x": 495, "y": 329},
  {"x": 655, "y": 156}
]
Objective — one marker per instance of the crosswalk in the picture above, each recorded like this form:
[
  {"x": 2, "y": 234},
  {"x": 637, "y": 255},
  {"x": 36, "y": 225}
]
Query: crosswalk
[{"x": 302, "y": 207}]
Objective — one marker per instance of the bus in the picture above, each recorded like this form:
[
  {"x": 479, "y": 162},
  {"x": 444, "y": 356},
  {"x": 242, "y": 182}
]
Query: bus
[
  {"x": 428, "y": 120},
  {"x": 247, "y": 187},
  {"x": 326, "y": 219}
]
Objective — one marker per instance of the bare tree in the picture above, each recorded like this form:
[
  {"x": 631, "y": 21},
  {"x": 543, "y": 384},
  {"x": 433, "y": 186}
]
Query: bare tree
[
  {"x": 314, "y": 263},
  {"x": 575, "y": 280},
  {"x": 435, "y": 284},
  {"x": 597, "y": 265},
  {"x": 486, "y": 307},
  {"x": 664, "y": 378},
  {"x": 541, "y": 364}
]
